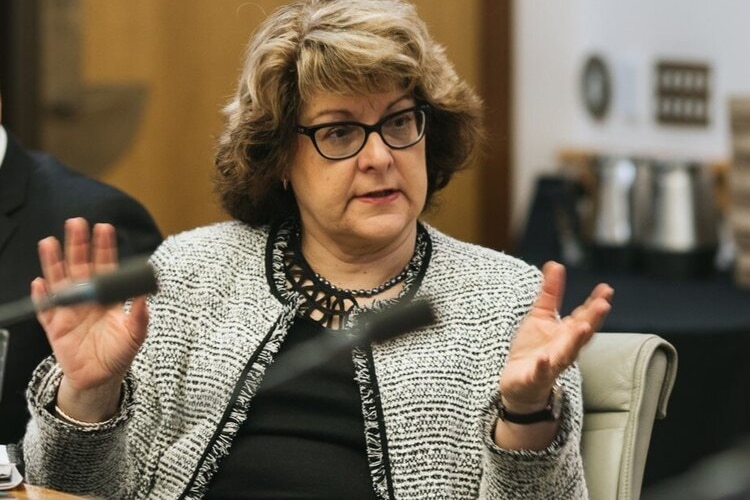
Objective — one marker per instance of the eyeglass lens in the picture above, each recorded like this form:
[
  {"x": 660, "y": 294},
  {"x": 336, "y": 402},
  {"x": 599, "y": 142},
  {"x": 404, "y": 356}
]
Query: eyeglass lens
[{"x": 398, "y": 131}]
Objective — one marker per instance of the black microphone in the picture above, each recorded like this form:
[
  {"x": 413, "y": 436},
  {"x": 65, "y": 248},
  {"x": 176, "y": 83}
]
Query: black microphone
[
  {"x": 132, "y": 278},
  {"x": 371, "y": 326}
]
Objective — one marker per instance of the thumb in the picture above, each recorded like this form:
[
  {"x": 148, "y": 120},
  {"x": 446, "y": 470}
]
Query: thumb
[
  {"x": 39, "y": 290},
  {"x": 553, "y": 284},
  {"x": 137, "y": 322}
]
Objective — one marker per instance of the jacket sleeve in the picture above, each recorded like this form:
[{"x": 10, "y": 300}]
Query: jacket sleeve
[
  {"x": 74, "y": 459},
  {"x": 556, "y": 472}
]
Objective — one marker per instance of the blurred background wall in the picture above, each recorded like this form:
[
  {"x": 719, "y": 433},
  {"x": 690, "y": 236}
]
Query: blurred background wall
[{"x": 554, "y": 39}]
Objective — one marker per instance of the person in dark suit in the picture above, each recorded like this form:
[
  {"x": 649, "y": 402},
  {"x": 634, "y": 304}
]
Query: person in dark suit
[{"x": 37, "y": 194}]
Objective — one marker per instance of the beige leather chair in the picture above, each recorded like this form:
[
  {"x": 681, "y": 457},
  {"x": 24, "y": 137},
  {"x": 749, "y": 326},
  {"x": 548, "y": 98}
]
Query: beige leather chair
[{"x": 627, "y": 380}]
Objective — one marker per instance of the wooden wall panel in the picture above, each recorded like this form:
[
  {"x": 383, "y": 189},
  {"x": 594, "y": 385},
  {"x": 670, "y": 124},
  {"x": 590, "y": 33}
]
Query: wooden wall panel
[
  {"x": 187, "y": 53},
  {"x": 455, "y": 25}
]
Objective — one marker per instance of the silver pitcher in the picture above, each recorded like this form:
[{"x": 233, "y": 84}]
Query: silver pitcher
[
  {"x": 684, "y": 215},
  {"x": 680, "y": 235},
  {"x": 618, "y": 212},
  {"x": 615, "y": 219}
]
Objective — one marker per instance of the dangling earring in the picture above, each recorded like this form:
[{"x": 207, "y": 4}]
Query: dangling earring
[{"x": 285, "y": 183}]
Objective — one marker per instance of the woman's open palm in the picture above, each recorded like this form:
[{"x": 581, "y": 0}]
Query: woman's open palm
[
  {"x": 546, "y": 344},
  {"x": 93, "y": 344}
]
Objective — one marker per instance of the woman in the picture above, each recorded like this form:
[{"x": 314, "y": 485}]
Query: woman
[{"x": 347, "y": 120}]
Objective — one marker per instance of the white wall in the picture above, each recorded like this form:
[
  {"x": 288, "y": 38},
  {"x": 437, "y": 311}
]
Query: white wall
[{"x": 552, "y": 40}]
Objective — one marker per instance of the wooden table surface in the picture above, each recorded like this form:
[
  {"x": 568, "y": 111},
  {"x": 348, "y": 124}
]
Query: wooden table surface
[{"x": 28, "y": 492}]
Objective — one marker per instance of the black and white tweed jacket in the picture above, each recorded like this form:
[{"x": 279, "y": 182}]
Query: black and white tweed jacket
[{"x": 216, "y": 323}]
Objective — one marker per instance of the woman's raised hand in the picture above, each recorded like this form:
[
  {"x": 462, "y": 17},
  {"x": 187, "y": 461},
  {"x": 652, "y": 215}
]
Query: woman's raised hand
[
  {"x": 94, "y": 344},
  {"x": 546, "y": 344}
]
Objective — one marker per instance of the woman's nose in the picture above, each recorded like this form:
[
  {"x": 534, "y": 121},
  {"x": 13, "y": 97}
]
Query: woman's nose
[{"x": 375, "y": 153}]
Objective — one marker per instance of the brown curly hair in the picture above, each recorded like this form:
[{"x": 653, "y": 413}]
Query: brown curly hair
[{"x": 346, "y": 47}]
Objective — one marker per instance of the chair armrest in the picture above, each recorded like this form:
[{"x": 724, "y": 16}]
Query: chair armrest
[{"x": 614, "y": 368}]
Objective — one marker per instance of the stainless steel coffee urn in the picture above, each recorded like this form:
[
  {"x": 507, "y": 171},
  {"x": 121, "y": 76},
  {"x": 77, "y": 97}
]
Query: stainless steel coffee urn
[{"x": 654, "y": 216}]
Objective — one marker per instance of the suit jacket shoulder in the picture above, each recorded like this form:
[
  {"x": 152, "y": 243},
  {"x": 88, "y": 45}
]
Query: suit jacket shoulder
[{"x": 39, "y": 192}]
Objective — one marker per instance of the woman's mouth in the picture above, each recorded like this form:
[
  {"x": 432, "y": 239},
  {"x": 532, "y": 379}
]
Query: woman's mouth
[{"x": 381, "y": 196}]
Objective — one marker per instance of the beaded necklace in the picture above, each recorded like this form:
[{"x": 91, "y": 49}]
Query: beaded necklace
[
  {"x": 366, "y": 293},
  {"x": 324, "y": 302}
]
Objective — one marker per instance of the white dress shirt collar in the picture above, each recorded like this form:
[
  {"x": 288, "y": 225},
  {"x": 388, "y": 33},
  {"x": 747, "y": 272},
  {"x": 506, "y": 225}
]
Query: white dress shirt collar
[{"x": 3, "y": 144}]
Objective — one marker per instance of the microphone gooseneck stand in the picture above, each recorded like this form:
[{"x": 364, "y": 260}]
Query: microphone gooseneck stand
[{"x": 133, "y": 277}]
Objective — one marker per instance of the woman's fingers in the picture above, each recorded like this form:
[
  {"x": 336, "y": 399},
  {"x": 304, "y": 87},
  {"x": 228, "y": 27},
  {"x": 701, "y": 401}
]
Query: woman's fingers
[
  {"x": 138, "y": 320},
  {"x": 81, "y": 255},
  {"x": 77, "y": 250},
  {"x": 39, "y": 290},
  {"x": 104, "y": 251},
  {"x": 581, "y": 331},
  {"x": 582, "y": 323},
  {"x": 596, "y": 307},
  {"x": 51, "y": 261},
  {"x": 553, "y": 285}
]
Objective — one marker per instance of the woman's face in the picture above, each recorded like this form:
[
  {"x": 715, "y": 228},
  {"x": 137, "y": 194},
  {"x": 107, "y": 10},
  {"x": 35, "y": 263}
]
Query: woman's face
[{"x": 367, "y": 201}]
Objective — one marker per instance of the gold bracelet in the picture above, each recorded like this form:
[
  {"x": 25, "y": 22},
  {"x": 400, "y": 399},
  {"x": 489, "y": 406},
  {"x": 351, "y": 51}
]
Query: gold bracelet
[{"x": 64, "y": 416}]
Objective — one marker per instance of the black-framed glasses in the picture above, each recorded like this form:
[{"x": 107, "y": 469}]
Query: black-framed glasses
[{"x": 342, "y": 140}]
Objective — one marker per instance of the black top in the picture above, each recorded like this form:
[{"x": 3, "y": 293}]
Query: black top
[{"x": 303, "y": 439}]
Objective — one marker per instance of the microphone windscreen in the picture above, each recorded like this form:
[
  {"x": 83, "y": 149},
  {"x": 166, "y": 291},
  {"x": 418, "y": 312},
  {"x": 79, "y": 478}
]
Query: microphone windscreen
[
  {"x": 397, "y": 320},
  {"x": 133, "y": 278},
  {"x": 375, "y": 325}
]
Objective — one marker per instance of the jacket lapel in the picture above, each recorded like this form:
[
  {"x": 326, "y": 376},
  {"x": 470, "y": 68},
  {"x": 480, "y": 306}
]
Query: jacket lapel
[{"x": 14, "y": 180}]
